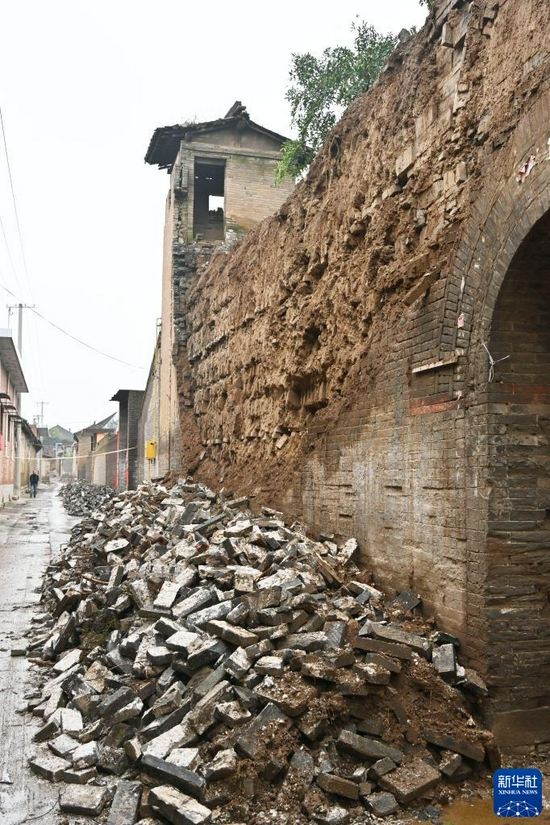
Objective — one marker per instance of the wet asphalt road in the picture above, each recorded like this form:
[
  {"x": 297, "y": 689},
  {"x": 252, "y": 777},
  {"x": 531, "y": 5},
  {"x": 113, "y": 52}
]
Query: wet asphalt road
[{"x": 31, "y": 532}]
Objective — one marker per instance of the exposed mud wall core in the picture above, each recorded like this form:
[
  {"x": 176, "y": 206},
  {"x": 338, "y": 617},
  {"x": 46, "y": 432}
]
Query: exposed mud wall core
[{"x": 335, "y": 361}]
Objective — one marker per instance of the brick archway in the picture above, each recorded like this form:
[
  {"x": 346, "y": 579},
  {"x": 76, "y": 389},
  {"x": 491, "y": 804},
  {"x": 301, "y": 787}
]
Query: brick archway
[{"x": 502, "y": 265}]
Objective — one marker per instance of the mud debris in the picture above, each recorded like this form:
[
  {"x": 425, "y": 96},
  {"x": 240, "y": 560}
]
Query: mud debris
[{"x": 200, "y": 663}]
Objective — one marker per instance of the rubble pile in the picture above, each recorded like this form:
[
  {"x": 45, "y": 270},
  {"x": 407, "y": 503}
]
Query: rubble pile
[
  {"x": 81, "y": 497},
  {"x": 200, "y": 664}
]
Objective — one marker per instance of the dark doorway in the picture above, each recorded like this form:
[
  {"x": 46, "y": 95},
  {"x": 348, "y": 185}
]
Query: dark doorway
[
  {"x": 518, "y": 572},
  {"x": 209, "y": 201}
]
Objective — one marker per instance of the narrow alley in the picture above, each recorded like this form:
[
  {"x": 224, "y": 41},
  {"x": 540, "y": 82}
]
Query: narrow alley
[{"x": 31, "y": 531}]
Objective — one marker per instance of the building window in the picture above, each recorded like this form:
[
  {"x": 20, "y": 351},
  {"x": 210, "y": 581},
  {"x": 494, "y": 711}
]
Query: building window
[{"x": 209, "y": 200}]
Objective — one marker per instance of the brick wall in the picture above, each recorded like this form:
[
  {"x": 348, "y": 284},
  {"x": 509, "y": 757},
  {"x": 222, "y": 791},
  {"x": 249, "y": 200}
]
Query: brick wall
[
  {"x": 250, "y": 190},
  {"x": 336, "y": 357},
  {"x": 122, "y": 444},
  {"x": 135, "y": 402},
  {"x": 148, "y": 421}
]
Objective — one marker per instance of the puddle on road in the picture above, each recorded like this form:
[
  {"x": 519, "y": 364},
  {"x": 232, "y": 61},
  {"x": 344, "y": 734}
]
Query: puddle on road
[{"x": 479, "y": 812}]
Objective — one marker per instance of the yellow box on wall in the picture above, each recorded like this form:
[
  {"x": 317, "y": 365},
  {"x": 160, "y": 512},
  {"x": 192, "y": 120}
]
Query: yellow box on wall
[{"x": 150, "y": 449}]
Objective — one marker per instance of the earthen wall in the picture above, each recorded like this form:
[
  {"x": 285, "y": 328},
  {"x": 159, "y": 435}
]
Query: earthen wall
[{"x": 335, "y": 360}]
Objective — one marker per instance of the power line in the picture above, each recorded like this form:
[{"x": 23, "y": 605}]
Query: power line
[
  {"x": 8, "y": 250},
  {"x": 14, "y": 202},
  {"x": 43, "y": 317},
  {"x": 74, "y": 338},
  {"x": 84, "y": 344}
]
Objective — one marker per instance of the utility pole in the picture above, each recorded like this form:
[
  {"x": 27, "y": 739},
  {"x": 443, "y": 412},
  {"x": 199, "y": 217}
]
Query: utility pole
[
  {"x": 17, "y": 468},
  {"x": 40, "y": 418}
]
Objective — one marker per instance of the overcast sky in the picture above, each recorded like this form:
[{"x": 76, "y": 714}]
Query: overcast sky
[{"x": 82, "y": 87}]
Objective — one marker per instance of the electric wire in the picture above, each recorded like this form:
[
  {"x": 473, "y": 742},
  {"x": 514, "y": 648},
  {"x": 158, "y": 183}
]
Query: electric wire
[
  {"x": 84, "y": 344},
  {"x": 8, "y": 250},
  {"x": 79, "y": 455},
  {"x": 24, "y": 260},
  {"x": 70, "y": 335},
  {"x": 23, "y": 257}
]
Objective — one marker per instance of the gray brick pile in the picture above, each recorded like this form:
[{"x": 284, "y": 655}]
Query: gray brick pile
[
  {"x": 81, "y": 497},
  {"x": 200, "y": 663}
]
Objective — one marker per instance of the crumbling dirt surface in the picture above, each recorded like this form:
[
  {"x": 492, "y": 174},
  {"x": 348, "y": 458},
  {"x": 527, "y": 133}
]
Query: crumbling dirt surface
[
  {"x": 292, "y": 328},
  {"x": 282, "y": 686}
]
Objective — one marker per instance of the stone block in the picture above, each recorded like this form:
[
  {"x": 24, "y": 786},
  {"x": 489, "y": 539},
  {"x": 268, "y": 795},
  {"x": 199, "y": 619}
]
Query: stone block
[
  {"x": 465, "y": 748},
  {"x": 444, "y": 660},
  {"x": 382, "y": 804},
  {"x": 125, "y": 806},
  {"x": 177, "y": 737},
  {"x": 336, "y": 634},
  {"x": 182, "y": 641},
  {"x": 85, "y": 756},
  {"x": 405, "y": 601},
  {"x": 208, "y": 614},
  {"x": 167, "y": 595},
  {"x": 203, "y": 716},
  {"x": 238, "y": 664},
  {"x": 139, "y": 593},
  {"x": 63, "y": 745},
  {"x": 373, "y": 674},
  {"x": 270, "y": 665},
  {"x": 202, "y": 597},
  {"x": 185, "y": 757},
  {"x": 80, "y": 777},
  {"x": 204, "y": 652},
  {"x": 130, "y": 711},
  {"x": 132, "y": 749},
  {"x": 178, "y": 808},
  {"x": 230, "y": 633},
  {"x": 159, "y": 655},
  {"x": 391, "y": 633},
  {"x": 166, "y": 627},
  {"x": 181, "y": 778},
  {"x": 115, "y": 701},
  {"x": 49, "y": 766},
  {"x": 309, "y": 642},
  {"x": 393, "y": 665},
  {"x": 450, "y": 763},
  {"x": 381, "y": 767},
  {"x": 366, "y": 748},
  {"x": 83, "y": 799},
  {"x": 95, "y": 676},
  {"x": 411, "y": 780},
  {"x": 232, "y": 714},
  {"x": 170, "y": 701},
  {"x": 112, "y": 760},
  {"x": 118, "y": 663},
  {"x": 68, "y": 661},
  {"x": 68, "y": 720},
  {"x": 337, "y": 785}
]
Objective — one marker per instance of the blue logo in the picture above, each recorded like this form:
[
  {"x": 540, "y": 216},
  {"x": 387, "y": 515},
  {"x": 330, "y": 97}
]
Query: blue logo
[{"x": 517, "y": 792}]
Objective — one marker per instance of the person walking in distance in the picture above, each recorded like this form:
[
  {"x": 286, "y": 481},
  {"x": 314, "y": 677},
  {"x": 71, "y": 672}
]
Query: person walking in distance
[{"x": 33, "y": 480}]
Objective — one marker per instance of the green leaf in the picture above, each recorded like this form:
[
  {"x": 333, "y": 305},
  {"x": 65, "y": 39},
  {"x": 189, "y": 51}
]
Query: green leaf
[{"x": 321, "y": 87}]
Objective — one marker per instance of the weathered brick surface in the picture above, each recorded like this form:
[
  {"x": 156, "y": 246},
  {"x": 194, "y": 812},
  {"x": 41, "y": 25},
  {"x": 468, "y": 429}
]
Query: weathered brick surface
[{"x": 334, "y": 361}]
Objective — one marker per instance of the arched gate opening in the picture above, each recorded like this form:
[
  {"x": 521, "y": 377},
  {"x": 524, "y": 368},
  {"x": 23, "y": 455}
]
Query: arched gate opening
[{"x": 518, "y": 542}]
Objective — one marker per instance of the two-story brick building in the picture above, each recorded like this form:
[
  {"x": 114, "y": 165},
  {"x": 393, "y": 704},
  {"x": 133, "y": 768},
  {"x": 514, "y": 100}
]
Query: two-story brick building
[{"x": 222, "y": 183}]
